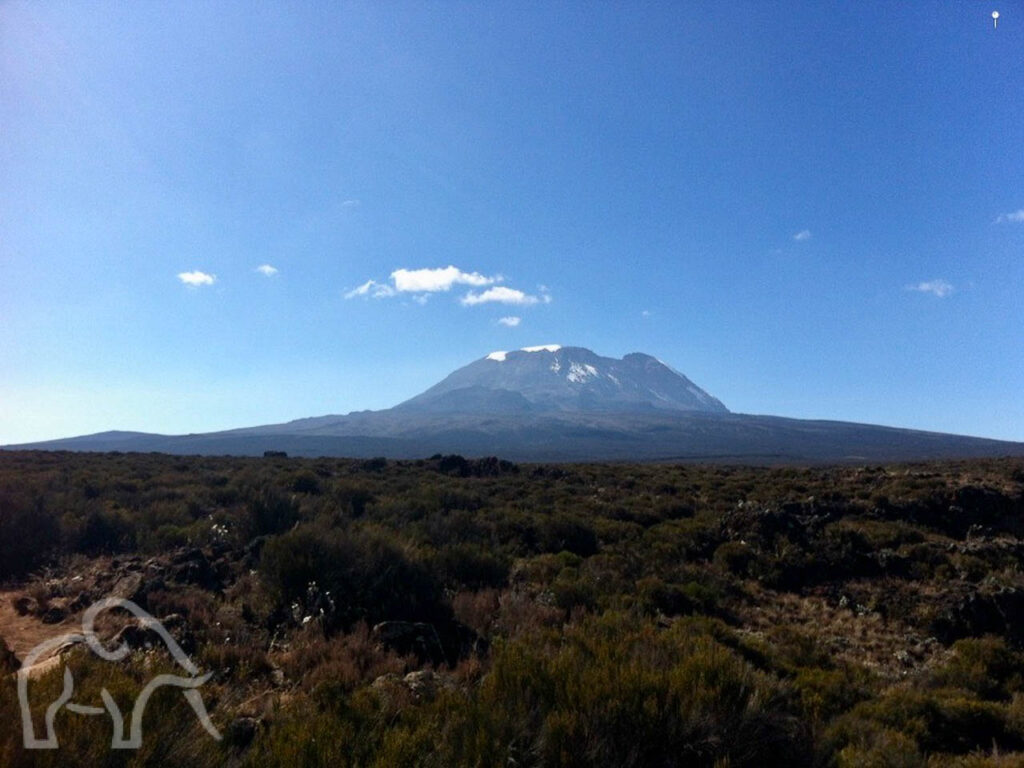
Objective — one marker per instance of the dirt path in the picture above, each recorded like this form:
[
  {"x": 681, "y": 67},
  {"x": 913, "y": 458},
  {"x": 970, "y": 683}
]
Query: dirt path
[{"x": 23, "y": 633}]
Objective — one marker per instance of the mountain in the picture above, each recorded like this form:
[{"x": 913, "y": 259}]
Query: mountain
[
  {"x": 555, "y": 378},
  {"x": 554, "y": 403}
]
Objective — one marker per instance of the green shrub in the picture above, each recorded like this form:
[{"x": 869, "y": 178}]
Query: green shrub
[
  {"x": 358, "y": 575},
  {"x": 28, "y": 534},
  {"x": 986, "y": 666}
]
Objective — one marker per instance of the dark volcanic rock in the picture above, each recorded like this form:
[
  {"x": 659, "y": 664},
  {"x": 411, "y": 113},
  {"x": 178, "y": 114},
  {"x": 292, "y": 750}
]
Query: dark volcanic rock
[
  {"x": 407, "y": 637},
  {"x": 994, "y": 613},
  {"x": 24, "y": 605}
]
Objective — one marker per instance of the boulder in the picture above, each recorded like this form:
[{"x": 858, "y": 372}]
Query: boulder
[
  {"x": 1000, "y": 612},
  {"x": 54, "y": 615},
  {"x": 407, "y": 637},
  {"x": 444, "y": 644},
  {"x": 193, "y": 567},
  {"x": 24, "y": 605},
  {"x": 128, "y": 587}
]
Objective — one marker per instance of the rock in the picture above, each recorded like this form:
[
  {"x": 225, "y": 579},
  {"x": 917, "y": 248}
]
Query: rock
[
  {"x": 9, "y": 663},
  {"x": 425, "y": 683},
  {"x": 189, "y": 555},
  {"x": 386, "y": 683},
  {"x": 197, "y": 572},
  {"x": 445, "y": 644},
  {"x": 422, "y": 685},
  {"x": 406, "y": 637},
  {"x": 174, "y": 622},
  {"x": 54, "y": 615},
  {"x": 128, "y": 587},
  {"x": 24, "y": 605},
  {"x": 137, "y": 637},
  {"x": 1000, "y": 612},
  {"x": 81, "y": 601}
]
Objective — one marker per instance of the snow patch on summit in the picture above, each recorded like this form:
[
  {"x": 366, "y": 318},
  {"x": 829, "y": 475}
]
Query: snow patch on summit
[
  {"x": 542, "y": 348},
  {"x": 580, "y": 373},
  {"x": 501, "y": 355}
]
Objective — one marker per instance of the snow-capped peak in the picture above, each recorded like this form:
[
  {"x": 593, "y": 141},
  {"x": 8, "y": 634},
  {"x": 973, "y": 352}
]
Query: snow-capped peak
[
  {"x": 500, "y": 356},
  {"x": 542, "y": 348},
  {"x": 550, "y": 377}
]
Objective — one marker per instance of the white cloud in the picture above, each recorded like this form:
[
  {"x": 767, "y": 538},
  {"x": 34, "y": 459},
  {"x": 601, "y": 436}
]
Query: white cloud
[
  {"x": 266, "y": 269},
  {"x": 426, "y": 282},
  {"x": 1016, "y": 217},
  {"x": 512, "y": 321},
  {"x": 351, "y": 203},
  {"x": 803, "y": 234},
  {"x": 939, "y": 288},
  {"x": 371, "y": 288},
  {"x": 441, "y": 279},
  {"x": 646, "y": 313},
  {"x": 196, "y": 278},
  {"x": 501, "y": 295}
]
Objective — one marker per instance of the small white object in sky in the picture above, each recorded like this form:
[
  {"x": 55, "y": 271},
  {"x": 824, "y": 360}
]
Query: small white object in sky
[{"x": 995, "y": 19}]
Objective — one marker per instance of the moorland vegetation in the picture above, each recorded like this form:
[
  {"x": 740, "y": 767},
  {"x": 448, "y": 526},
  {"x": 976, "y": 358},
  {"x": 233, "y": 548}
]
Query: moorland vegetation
[{"x": 475, "y": 612}]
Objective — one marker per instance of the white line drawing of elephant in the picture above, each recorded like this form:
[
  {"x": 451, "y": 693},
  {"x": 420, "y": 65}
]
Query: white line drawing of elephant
[{"x": 88, "y": 636}]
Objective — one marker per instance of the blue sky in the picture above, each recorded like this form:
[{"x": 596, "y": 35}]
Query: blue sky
[{"x": 813, "y": 209}]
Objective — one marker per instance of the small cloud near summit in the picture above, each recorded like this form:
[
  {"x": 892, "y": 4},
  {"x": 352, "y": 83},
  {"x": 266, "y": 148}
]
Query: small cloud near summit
[
  {"x": 939, "y": 288},
  {"x": 501, "y": 295},
  {"x": 511, "y": 321},
  {"x": 196, "y": 278},
  {"x": 802, "y": 235},
  {"x": 266, "y": 269}
]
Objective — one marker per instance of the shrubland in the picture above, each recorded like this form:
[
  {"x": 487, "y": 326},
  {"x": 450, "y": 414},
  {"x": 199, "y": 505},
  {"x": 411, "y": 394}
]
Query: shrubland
[{"x": 452, "y": 611}]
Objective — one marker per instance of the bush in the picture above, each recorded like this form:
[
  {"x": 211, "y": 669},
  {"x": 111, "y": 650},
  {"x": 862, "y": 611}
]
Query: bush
[
  {"x": 564, "y": 533},
  {"x": 985, "y": 666},
  {"x": 28, "y": 534},
  {"x": 357, "y": 576},
  {"x": 270, "y": 511},
  {"x": 471, "y": 567}
]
